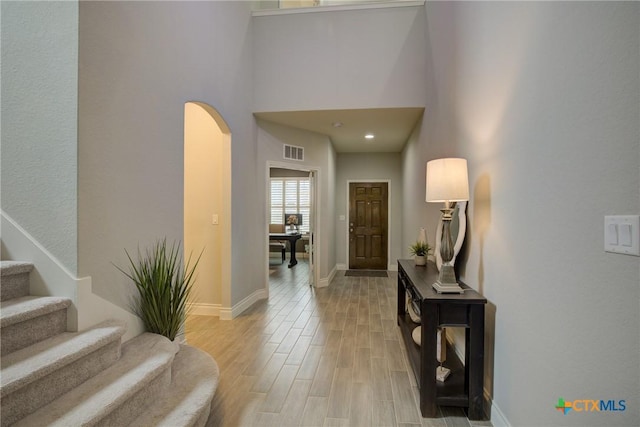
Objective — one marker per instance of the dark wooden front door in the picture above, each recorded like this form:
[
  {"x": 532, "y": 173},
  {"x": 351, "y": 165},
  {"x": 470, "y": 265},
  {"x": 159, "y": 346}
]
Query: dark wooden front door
[{"x": 368, "y": 225}]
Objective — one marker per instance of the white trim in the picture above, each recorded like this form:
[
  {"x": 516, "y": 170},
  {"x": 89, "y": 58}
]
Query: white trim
[
  {"x": 389, "y": 213},
  {"x": 337, "y": 8},
  {"x": 392, "y": 267},
  {"x": 498, "y": 419},
  {"x": 225, "y": 212},
  {"x": 51, "y": 278},
  {"x": 203, "y": 309},
  {"x": 15, "y": 227},
  {"x": 316, "y": 210},
  {"x": 323, "y": 283},
  {"x": 227, "y": 313},
  {"x": 450, "y": 341}
]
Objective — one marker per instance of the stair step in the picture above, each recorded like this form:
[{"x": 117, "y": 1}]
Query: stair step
[
  {"x": 14, "y": 279},
  {"x": 116, "y": 395},
  {"x": 27, "y": 320},
  {"x": 36, "y": 375},
  {"x": 187, "y": 401}
]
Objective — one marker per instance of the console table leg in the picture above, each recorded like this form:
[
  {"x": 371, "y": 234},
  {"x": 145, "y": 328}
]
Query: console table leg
[
  {"x": 475, "y": 362},
  {"x": 401, "y": 299},
  {"x": 428, "y": 361}
]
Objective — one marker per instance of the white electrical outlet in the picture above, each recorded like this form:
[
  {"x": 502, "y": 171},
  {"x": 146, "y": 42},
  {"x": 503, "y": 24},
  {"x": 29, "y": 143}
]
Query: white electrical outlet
[{"x": 622, "y": 234}]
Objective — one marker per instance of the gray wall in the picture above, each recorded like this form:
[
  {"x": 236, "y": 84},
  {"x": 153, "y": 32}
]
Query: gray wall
[
  {"x": 543, "y": 100},
  {"x": 139, "y": 63},
  {"x": 39, "y": 119},
  {"x": 349, "y": 59},
  {"x": 318, "y": 153},
  {"x": 371, "y": 167}
]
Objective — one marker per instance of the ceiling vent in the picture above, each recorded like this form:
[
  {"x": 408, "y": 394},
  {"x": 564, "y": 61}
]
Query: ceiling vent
[{"x": 291, "y": 152}]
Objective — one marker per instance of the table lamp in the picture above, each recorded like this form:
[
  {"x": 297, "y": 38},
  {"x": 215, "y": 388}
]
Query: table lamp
[{"x": 447, "y": 181}]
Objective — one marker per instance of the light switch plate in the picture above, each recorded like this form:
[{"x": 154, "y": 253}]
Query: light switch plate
[{"x": 622, "y": 234}]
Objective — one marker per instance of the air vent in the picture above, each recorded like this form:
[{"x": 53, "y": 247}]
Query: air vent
[{"x": 291, "y": 152}]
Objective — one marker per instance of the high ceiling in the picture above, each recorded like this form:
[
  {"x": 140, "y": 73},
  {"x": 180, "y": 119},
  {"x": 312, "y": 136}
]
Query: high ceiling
[{"x": 391, "y": 127}]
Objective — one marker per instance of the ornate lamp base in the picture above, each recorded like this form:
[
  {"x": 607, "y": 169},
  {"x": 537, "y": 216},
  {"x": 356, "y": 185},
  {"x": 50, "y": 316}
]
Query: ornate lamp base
[
  {"x": 446, "y": 283},
  {"x": 447, "y": 288}
]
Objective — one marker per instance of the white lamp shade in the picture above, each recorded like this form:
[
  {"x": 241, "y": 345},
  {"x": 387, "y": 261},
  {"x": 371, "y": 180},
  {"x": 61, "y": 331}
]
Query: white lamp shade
[{"x": 447, "y": 180}]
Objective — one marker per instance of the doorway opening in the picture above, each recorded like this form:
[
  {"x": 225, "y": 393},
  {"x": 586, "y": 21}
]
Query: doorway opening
[
  {"x": 368, "y": 226},
  {"x": 292, "y": 227},
  {"x": 207, "y": 207}
]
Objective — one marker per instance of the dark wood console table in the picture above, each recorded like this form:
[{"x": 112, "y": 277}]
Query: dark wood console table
[
  {"x": 464, "y": 385},
  {"x": 292, "y": 238}
]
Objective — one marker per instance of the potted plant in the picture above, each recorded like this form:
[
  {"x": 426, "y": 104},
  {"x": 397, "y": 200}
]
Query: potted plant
[
  {"x": 164, "y": 287},
  {"x": 420, "y": 250}
]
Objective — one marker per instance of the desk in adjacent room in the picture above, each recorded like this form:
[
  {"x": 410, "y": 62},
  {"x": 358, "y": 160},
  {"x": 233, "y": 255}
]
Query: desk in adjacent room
[{"x": 292, "y": 238}]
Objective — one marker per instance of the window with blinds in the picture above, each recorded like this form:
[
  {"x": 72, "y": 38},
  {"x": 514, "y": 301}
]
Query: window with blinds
[{"x": 291, "y": 196}]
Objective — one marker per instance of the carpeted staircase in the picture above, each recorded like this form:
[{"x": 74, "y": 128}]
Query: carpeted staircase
[{"x": 51, "y": 377}]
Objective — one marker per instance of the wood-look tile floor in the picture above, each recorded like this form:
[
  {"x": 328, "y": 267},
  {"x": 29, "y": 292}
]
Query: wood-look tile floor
[{"x": 315, "y": 357}]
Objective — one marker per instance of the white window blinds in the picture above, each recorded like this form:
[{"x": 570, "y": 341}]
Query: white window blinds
[{"x": 290, "y": 196}]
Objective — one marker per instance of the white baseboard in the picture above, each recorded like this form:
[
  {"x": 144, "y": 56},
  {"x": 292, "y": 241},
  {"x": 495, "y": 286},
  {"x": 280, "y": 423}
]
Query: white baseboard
[
  {"x": 324, "y": 282},
  {"x": 51, "y": 278},
  {"x": 227, "y": 313},
  {"x": 392, "y": 267},
  {"x": 498, "y": 419},
  {"x": 203, "y": 309}
]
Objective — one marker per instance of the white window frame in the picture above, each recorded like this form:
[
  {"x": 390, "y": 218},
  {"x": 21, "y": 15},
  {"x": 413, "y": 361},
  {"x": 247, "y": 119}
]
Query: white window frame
[{"x": 283, "y": 208}]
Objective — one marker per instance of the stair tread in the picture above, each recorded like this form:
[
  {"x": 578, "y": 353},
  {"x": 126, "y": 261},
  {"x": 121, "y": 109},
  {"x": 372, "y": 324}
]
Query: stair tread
[
  {"x": 29, "y": 364},
  {"x": 195, "y": 377},
  {"x": 7, "y": 268},
  {"x": 24, "y": 308},
  {"x": 143, "y": 359}
]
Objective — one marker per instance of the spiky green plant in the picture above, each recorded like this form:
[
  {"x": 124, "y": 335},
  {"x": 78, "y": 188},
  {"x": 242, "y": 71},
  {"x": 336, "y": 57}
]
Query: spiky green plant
[
  {"x": 420, "y": 249},
  {"x": 163, "y": 287}
]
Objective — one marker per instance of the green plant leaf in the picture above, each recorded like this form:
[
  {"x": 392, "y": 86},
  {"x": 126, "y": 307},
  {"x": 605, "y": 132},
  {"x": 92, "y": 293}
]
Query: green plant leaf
[{"x": 164, "y": 287}]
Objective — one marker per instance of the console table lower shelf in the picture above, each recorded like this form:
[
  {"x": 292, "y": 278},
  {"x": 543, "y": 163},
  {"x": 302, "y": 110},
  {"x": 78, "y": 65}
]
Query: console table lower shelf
[
  {"x": 448, "y": 393},
  {"x": 463, "y": 387}
]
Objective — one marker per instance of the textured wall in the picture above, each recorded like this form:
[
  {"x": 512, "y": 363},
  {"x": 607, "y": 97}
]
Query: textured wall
[
  {"x": 369, "y": 166},
  {"x": 319, "y": 154},
  {"x": 139, "y": 63},
  {"x": 543, "y": 99},
  {"x": 348, "y": 59},
  {"x": 39, "y": 119}
]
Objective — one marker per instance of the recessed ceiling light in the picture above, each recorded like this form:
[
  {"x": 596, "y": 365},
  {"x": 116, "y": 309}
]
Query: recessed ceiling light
[
  {"x": 337, "y": 124},
  {"x": 369, "y": 136}
]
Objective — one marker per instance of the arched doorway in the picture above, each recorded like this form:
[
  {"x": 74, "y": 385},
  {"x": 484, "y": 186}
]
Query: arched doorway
[{"x": 207, "y": 205}]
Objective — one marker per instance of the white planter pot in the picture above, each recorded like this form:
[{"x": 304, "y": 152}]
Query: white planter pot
[{"x": 421, "y": 260}]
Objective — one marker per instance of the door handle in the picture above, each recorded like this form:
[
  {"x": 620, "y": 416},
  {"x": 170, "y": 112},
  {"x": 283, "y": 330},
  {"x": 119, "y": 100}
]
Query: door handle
[{"x": 351, "y": 230}]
